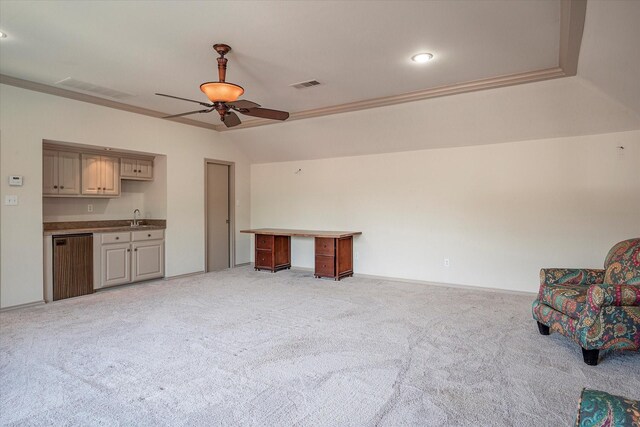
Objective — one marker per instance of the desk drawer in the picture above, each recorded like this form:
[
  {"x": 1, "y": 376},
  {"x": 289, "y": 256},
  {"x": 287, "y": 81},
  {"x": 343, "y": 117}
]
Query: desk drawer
[
  {"x": 264, "y": 259},
  {"x": 325, "y": 266},
  {"x": 264, "y": 241},
  {"x": 325, "y": 246}
]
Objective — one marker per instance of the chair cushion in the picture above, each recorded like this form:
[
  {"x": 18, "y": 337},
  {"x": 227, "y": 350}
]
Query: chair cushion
[
  {"x": 623, "y": 263},
  {"x": 569, "y": 300}
]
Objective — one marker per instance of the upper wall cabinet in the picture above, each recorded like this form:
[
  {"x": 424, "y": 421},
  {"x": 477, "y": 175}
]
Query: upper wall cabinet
[
  {"x": 100, "y": 175},
  {"x": 137, "y": 169},
  {"x": 60, "y": 173}
]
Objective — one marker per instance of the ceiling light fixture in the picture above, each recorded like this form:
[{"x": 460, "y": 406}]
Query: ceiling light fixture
[
  {"x": 421, "y": 58},
  {"x": 3, "y": 35},
  {"x": 221, "y": 91}
]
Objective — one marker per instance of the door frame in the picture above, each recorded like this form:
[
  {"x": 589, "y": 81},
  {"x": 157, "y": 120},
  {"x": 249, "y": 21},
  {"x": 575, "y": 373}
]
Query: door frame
[{"x": 232, "y": 212}]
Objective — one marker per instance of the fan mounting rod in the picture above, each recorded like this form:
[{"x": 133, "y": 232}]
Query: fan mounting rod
[{"x": 222, "y": 50}]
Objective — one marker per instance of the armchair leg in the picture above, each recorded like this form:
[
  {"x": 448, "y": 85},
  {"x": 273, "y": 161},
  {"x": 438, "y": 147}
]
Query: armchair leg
[
  {"x": 544, "y": 329},
  {"x": 590, "y": 356}
]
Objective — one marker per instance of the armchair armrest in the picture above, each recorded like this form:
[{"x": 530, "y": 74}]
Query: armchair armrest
[
  {"x": 571, "y": 276},
  {"x": 599, "y": 296}
]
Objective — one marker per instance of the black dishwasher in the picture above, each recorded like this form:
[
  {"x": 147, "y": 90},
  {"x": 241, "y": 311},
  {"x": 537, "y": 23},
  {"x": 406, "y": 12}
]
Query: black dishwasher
[{"x": 72, "y": 265}]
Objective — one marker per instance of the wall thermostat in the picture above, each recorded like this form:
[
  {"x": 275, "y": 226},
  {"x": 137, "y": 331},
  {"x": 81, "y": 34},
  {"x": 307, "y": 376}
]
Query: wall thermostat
[{"x": 15, "y": 180}]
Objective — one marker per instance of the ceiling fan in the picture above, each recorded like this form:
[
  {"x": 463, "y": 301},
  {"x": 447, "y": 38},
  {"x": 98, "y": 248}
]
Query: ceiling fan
[{"x": 224, "y": 98}]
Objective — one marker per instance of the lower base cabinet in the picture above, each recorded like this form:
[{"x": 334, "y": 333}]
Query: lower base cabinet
[{"x": 128, "y": 257}]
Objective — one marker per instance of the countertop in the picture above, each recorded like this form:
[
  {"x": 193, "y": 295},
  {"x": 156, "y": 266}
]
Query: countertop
[
  {"x": 302, "y": 233},
  {"x": 76, "y": 227}
]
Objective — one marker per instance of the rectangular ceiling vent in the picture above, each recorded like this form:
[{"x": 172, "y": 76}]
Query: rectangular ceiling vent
[
  {"x": 303, "y": 85},
  {"x": 90, "y": 87}
]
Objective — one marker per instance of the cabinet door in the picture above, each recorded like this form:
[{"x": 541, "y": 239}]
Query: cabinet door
[
  {"x": 145, "y": 169},
  {"x": 116, "y": 264},
  {"x": 49, "y": 172},
  {"x": 91, "y": 174},
  {"x": 148, "y": 260},
  {"x": 128, "y": 168},
  {"x": 110, "y": 176},
  {"x": 68, "y": 173}
]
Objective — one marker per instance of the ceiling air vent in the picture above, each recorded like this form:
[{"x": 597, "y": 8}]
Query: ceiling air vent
[
  {"x": 303, "y": 85},
  {"x": 90, "y": 87}
]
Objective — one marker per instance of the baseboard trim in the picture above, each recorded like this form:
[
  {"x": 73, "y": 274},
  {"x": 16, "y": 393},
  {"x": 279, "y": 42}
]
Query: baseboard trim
[
  {"x": 425, "y": 282},
  {"x": 20, "y": 306},
  {"x": 446, "y": 285},
  {"x": 180, "y": 276},
  {"x": 244, "y": 264}
]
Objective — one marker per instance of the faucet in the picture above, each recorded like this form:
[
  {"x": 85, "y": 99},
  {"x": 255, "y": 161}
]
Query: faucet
[{"x": 136, "y": 221}]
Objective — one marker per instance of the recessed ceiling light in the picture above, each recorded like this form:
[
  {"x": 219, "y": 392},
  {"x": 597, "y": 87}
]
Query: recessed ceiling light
[
  {"x": 421, "y": 58},
  {"x": 2, "y": 35}
]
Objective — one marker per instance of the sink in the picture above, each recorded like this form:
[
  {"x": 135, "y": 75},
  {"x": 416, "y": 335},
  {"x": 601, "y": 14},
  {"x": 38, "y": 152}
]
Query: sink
[{"x": 142, "y": 226}]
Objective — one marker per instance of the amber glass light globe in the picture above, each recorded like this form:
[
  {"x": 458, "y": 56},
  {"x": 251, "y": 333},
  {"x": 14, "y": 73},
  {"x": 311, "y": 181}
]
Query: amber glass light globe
[{"x": 221, "y": 91}]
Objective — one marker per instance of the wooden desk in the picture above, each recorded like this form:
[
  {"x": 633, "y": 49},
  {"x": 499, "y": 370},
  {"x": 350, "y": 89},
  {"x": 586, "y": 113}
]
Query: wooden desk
[{"x": 333, "y": 250}]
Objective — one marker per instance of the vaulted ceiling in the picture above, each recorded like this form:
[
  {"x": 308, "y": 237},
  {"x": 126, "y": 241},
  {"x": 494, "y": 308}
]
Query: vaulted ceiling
[{"x": 359, "y": 51}]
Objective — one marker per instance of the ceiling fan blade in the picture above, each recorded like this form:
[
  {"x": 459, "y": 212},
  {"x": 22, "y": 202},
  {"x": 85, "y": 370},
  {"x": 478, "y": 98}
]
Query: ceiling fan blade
[
  {"x": 266, "y": 113},
  {"x": 231, "y": 119},
  {"x": 186, "y": 114},
  {"x": 185, "y": 99},
  {"x": 242, "y": 104}
]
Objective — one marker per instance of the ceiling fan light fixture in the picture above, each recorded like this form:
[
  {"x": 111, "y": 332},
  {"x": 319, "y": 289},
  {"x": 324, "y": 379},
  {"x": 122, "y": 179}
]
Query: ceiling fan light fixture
[
  {"x": 421, "y": 58},
  {"x": 221, "y": 91}
]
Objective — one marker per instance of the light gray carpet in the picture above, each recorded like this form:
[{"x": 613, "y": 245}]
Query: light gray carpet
[{"x": 254, "y": 348}]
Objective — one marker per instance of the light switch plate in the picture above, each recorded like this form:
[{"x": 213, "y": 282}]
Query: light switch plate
[{"x": 11, "y": 200}]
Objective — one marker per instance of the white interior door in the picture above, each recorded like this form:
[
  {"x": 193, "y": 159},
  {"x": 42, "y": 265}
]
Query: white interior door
[{"x": 217, "y": 217}]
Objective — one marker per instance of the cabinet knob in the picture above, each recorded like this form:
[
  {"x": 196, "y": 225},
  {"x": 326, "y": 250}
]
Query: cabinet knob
[
  {"x": 117, "y": 238},
  {"x": 128, "y": 250},
  {"x": 62, "y": 187},
  {"x": 148, "y": 235},
  {"x": 55, "y": 186},
  {"x": 135, "y": 250}
]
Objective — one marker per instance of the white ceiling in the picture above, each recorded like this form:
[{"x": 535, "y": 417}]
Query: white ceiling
[{"x": 358, "y": 50}]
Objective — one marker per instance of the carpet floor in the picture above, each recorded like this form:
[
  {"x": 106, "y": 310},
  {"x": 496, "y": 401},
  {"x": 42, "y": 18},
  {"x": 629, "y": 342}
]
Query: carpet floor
[{"x": 258, "y": 349}]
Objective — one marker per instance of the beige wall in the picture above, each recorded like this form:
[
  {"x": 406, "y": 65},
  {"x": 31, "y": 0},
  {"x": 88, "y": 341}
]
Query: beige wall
[
  {"x": 26, "y": 118},
  {"x": 498, "y": 212}
]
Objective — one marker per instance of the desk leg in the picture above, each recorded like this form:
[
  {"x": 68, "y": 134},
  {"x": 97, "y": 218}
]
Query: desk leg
[
  {"x": 272, "y": 253},
  {"x": 344, "y": 257},
  {"x": 333, "y": 257}
]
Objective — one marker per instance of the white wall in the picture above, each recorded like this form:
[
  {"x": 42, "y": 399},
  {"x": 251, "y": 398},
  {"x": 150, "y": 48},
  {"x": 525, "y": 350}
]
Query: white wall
[
  {"x": 27, "y": 117},
  {"x": 498, "y": 212}
]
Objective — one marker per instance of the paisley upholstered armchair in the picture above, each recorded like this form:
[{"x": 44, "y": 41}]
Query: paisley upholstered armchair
[{"x": 598, "y": 309}]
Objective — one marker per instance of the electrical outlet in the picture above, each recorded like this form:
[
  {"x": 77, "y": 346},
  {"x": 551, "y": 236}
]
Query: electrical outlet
[
  {"x": 446, "y": 262},
  {"x": 89, "y": 207}
]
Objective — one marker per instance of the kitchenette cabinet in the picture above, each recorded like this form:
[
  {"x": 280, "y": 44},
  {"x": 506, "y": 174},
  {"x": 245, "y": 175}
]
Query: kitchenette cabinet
[
  {"x": 127, "y": 257},
  {"x": 136, "y": 169},
  {"x": 60, "y": 173},
  {"x": 100, "y": 175}
]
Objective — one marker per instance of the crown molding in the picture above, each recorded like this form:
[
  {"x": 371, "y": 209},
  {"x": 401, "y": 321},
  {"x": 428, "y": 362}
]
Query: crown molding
[
  {"x": 490, "y": 83},
  {"x": 572, "y": 15},
  {"x": 77, "y": 96}
]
